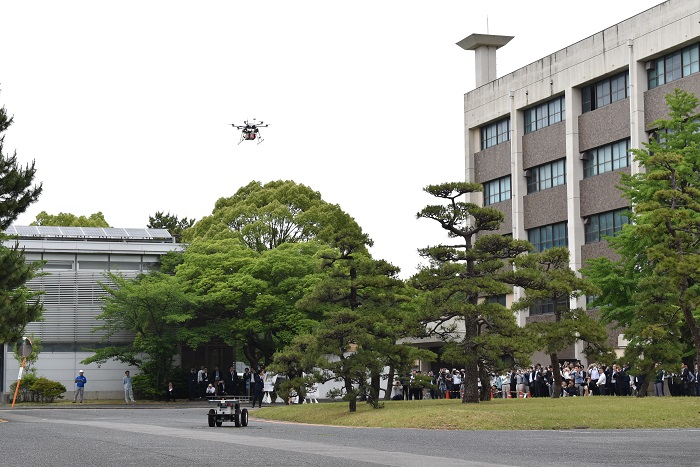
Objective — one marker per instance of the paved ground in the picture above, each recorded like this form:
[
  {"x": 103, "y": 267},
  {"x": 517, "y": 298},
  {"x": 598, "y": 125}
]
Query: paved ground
[{"x": 178, "y": 435}]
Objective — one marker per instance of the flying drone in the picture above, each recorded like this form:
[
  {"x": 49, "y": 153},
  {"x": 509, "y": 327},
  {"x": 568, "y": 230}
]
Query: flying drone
[{"x": 250, "y": 130}]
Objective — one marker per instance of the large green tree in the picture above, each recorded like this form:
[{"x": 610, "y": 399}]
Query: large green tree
[
  {"x": 477, "y": 333},
  {"x": 171, "y": 223},
  {"x": 653, "y": 290},
  {"x": 266, "y": 216},
  {"x": 247, "y": 298},
  {"x": 66, "y": 219},
  {"x": 365, "y": 312},
  {"x": 150, "y": 309},
  {"x": 251, "y": 260},
  {"x": 548, "y": 278},
  {"x": 18, "y": 304}
]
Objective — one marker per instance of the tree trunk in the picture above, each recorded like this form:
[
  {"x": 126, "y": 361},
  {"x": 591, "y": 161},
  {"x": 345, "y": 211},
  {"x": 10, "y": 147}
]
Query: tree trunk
[
  {"x": 485, "y": 393},
  {"x": 351, "y": 394},
  {"x": 556, "y": 375},
  {"x": 389, "y": 384},
  {"x": 471, "y": 365},
  {"x": 690, "y": 319}
]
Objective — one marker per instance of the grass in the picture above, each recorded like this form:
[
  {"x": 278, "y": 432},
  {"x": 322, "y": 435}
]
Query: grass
[{"x": 514, "y": 414}]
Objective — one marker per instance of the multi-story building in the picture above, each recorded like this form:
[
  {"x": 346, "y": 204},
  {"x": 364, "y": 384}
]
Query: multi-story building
[
  {"x": 550, "y": 140},
  {"x": 76, "y": 259}
]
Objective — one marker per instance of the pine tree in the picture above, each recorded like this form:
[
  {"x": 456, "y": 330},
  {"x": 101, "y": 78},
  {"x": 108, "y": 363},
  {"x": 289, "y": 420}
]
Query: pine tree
[{"x": 18, "y": 304}]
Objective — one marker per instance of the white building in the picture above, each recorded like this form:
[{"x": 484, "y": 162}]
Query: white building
[
  {"x": 549, "y": 141},
  {"x": 76, "y": 260}
]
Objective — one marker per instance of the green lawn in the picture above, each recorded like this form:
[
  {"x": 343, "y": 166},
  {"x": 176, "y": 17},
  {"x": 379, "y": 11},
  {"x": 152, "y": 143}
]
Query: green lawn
[{"x": 510, "y": 414}]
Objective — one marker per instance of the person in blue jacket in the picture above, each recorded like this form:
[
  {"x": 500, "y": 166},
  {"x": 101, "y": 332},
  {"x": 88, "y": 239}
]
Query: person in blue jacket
[{"x": 80, "y": 381}]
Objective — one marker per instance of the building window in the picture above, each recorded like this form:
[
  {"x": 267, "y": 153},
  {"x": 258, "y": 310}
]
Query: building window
[
  {"x": 546, "y": 176},
  {"x": 674, "y": 66},
  {"x": 546, "y": 114},
  {"x": 497, "y": 190},
  {"x": 605, "y": 224},
  {"x": 548, "y": 236},
  {"x": 546, "y": 307},
  {"x": 604, "y": 92},
  {"x": 606, "y": 158},
  {"x": 500, "y": 299},
  {"x": 495, "y": 133}
]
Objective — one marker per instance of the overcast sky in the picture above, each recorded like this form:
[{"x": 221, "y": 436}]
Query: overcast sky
[{"x": 125, "y": 106}]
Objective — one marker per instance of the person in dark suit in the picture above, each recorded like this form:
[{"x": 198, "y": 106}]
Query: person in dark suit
[
  {"x": 217, "y": 375},
  {"x": 258, "y": 388},
  {"x": 232, "y": 381},
  {"x": 192, "y": 384}
]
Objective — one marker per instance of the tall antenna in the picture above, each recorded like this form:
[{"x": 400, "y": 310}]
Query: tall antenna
[{"x": 487, "y": 24}]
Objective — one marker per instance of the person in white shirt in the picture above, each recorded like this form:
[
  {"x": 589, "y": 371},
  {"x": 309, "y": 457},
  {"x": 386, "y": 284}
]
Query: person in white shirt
[
  {"x": 594, "y": 374},
  {"x": 601, "y": 382},
  {"x": 456, "y": 382}
]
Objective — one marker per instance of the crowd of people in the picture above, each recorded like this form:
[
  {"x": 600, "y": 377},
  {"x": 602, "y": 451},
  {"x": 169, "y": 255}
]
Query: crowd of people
[
  {"x": 577, "y": 380},
  {"x": 204, "y": 384}
]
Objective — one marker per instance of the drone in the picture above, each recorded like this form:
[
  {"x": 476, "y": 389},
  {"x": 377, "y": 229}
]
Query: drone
[{"x": 250, "y": 130}]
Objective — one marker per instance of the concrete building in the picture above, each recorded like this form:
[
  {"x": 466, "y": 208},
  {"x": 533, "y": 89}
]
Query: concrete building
[
  {"x": 76, "y": 260},
  {"x": 549, "y": 140}
]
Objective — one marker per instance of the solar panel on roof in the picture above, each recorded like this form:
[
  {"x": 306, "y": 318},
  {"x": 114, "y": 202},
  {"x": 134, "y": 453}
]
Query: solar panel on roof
[
  {"x": 28, "y": 230},
  {"x": 96, "y": 232},
  {"x": 72, "y": 231},
  {"x": 138, "y": 233},
  {"x": 115, "y": 232},
  {"x": 159, "y": 233}
]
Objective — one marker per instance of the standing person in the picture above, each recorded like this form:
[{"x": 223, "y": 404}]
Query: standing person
[
  {"x": 232, "y": 381},
  {"x": 128, "y": 388},
  {"x": 246, "y": 381},
  {"x": 205, "y": 381},
  {"x": 602, "y": 381},
  {"x": 433, "y": 385},
  {"x": 80, "y": 381},
  {"x": 200, "y": 382},
  {"x": 170, "y": 392},
  {"x": 217, "y": 375},
  {"x": 258, "y": 387},
  {"x": 519, "y": 383},
  {"x": 251, "y": 378},
  {"x": 192, "y": 384},
  {"x": 593, "y": 377},
  {"x": 456, "y": 383},
  {"x": 686, "y": 379},
  {"x": 658, "y": 380}
]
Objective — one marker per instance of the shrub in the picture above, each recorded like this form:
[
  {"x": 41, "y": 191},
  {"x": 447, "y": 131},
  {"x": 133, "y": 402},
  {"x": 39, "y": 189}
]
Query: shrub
[{"x": 38, "y": 389}]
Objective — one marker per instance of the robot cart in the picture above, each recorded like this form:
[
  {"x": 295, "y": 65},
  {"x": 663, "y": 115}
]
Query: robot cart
[{"x": 228, "y": 410}]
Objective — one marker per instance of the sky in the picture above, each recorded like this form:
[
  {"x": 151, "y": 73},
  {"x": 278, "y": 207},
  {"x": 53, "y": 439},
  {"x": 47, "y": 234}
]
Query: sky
[{"x": 126, "y": 107}]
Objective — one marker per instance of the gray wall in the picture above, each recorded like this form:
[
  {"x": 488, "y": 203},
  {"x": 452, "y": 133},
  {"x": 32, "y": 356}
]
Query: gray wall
[{"x": 545, "y": 145}]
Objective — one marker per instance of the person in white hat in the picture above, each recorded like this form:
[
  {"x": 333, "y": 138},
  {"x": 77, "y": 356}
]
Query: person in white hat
[{"x": 80, "y": 381}]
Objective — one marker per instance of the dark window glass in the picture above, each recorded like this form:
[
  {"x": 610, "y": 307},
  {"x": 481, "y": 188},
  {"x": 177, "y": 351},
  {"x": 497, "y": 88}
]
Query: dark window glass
[
  {"x": 495, "y": 133},
  {"x": 605, "y": 224},
  {"x": 674, "y": 66},
  {"x": 545, "y": 114},
  {"x": 500, "y": 299},
  {"x": 607, "y": 158},
  {"x": 604, "y": 92},
  {"x": 497, "y": 190},
  {"x": 546, "y": 176},
  {"x": 545, "y": 307},
  {"x": 548, "y": 236}
]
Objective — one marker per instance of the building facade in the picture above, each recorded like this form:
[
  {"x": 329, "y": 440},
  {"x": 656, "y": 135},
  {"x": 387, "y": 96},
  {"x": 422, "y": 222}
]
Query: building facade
[
  {"x": 550, "y": 140},
  {"x": 76, "y": 259}
]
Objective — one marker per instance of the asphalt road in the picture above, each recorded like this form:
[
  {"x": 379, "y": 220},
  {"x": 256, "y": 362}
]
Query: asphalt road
[{"x": 179, "y": 435}]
